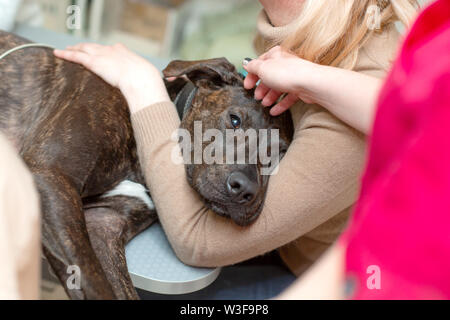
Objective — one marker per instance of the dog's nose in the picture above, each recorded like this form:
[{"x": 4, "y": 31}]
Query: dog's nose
[{"x": 241, "y": 188}]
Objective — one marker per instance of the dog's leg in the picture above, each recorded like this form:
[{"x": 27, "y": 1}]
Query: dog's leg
[
  {"x": 66, "y": 240},
  {"x": 111, "y": 223}
]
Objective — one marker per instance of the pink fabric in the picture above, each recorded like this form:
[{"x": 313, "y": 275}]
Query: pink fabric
[{"x": 402, "y": 220}]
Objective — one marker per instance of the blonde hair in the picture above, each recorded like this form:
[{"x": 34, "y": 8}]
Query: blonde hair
[{"x": 331, "y": 32}]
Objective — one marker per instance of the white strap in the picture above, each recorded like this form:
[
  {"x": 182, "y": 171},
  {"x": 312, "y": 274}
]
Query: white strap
[{"x": 28, "y": 45}]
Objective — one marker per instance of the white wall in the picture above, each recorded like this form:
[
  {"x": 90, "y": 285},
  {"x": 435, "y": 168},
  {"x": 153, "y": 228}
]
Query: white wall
[{"x": 8, "y": 10}]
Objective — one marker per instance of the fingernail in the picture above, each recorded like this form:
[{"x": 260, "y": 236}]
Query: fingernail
[{"x": 246, "y": 61}]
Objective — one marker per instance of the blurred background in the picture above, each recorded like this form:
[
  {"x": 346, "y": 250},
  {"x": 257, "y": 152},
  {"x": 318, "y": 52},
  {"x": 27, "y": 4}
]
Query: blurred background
[{"x": 158, "y": 29}]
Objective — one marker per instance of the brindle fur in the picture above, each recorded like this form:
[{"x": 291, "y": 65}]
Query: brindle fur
[
  {"x": 220, "y": 94},
  {"x": 73, "y": 131}
]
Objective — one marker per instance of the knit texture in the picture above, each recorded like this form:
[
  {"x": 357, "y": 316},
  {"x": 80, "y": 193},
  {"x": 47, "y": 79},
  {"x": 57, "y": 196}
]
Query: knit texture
[{"x": 308, "y": 201}]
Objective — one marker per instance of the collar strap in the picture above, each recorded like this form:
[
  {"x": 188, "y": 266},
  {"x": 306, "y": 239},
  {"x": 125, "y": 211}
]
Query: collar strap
[
  {"x": 24, "y": 46},
  {"x": 184, "y": 99}
]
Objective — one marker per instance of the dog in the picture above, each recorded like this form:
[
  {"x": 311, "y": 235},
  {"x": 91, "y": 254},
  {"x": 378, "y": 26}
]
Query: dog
[{"x": 73, "y": 131}]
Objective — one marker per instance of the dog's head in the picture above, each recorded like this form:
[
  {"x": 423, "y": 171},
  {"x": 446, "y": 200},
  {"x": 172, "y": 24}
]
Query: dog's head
[{"x": 232, "y": 138}]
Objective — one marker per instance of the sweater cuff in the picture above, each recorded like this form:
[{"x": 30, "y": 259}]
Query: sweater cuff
[
  {"x": 155, "y": 122},
  {"x": 154, "y": 126}
]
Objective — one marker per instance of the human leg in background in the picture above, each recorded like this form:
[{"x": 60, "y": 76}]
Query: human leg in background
[{"x": 19, "y": 228}]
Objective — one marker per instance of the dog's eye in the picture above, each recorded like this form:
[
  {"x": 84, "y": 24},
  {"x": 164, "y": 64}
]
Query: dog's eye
[{"x": 235, "y": 121}]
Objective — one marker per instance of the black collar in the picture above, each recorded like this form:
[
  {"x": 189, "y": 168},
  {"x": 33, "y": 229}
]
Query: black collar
[{"x": 184, "y": 99}]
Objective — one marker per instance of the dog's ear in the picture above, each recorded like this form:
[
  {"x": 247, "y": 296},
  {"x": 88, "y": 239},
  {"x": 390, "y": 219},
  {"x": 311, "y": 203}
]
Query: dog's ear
[{"x": 205, "y": 73}]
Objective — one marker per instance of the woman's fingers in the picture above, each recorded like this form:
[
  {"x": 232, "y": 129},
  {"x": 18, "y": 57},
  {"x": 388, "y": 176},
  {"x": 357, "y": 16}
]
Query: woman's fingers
[
  {"x": 89, "y": 48},
  {"x": 261, "y": 91},
  {"x": 74, "y": 56},
  {"x": 284, "y": 104},
  {"x": 273, "y": 70},
  {"x": 80, "y": 53},
  {"x": 271, "y": 97},
  {"x": 274, "y": 52},
  {"x": 253, "y": 68},
  {"x": 250, "y": 81}
]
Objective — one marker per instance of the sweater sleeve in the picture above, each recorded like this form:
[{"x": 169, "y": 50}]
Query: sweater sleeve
[{"x": 317, "y": 179}]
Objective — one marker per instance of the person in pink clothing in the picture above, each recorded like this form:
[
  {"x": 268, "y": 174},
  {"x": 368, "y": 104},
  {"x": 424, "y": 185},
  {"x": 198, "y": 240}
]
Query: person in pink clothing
[
  {"x": 402, "y": 220},
  {"x": 397, "y": 245}
]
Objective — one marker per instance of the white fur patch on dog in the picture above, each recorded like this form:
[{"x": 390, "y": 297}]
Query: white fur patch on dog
[{"x": 131, "y": 189}]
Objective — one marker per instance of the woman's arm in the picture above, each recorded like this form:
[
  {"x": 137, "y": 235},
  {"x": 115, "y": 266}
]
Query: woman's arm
[
  {"x": 323, "y": 281},
  {"x": 357, "y": 106},
  {"x": 349, "y": 95},
  {"x": 318, "y": 178}
]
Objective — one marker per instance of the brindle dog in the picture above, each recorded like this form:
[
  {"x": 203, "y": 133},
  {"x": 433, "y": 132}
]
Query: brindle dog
[{"x": 73, "y": 131}]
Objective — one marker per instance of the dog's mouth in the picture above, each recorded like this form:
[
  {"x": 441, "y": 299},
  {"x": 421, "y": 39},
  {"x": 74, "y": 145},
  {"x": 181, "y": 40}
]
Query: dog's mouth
[
  {"x": 241, "y": 215},
  {"x": 216, "y": 197}
]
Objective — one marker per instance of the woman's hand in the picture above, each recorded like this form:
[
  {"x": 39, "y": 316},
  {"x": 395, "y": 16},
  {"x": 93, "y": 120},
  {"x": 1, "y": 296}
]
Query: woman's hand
[
  {"x": 349, "y": 95},
  {"x": 139, "y": 81},
  {"x": 281, "y": 72}
]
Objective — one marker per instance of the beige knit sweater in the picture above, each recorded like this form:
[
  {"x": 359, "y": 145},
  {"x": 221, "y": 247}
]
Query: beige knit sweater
[{"x": 308, "y": 201}]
